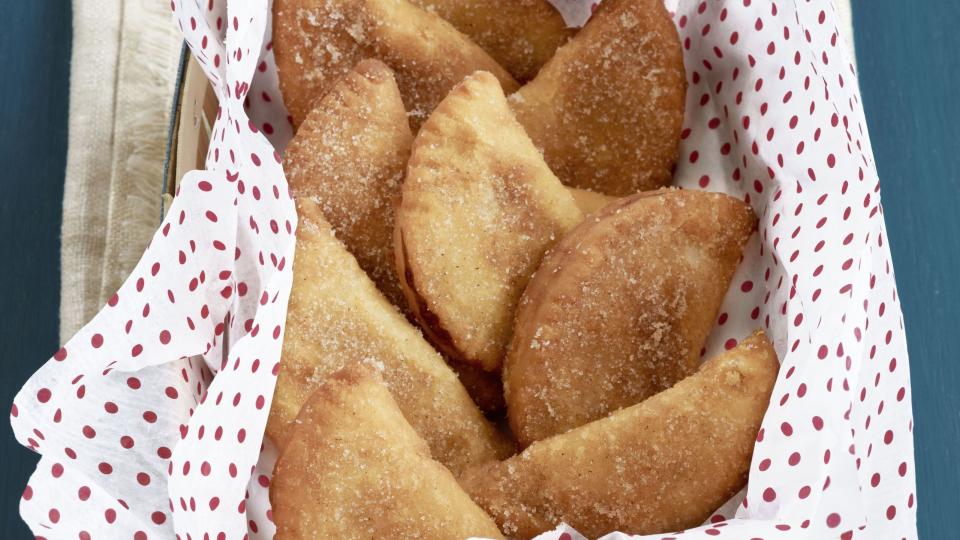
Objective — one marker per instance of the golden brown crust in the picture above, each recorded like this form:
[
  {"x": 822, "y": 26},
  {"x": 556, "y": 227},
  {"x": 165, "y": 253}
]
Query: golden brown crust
[
  {"x": 479, "y": 208},
  {"x": 318, "y": 41},
  {"x": 349, "y": 156},
  {"x": 590, "y": 201},
  {"x": 336, "y": 317},
  {"x": 522, "y": 35},
  {"x": 354, "y": 468},
  {"x": 607, "y": 109},
  {"x": 662, "y": 465},
  {"x": 621, "y": 307}
]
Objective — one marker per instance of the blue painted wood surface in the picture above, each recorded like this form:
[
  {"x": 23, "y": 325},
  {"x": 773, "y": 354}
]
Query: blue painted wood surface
[
  {"x": 35, "y": 61},
  {"x": 909, "y": 55},
  {"x": 909, "y": 63}
]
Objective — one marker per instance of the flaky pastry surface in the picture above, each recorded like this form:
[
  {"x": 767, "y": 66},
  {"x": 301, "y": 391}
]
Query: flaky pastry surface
[
  {"x": 478, "y": 210},
  {"x": 607, "y": 109},
  {"x": 659, "y": 466},
  {"x": 349, "y": 156},
  {"x": 521, "y": 35},
  {"x": 337, "y": 317},
  {"x": 355, "y": 469},
  {"x": 318, "y": 41},
  {"x": 621, "y": 307}
]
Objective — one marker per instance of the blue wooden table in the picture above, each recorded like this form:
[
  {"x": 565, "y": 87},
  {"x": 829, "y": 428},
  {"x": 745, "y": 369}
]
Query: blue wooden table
[
  {"x": 35, "y": 62},
  {"x": 908, "y": 55}
]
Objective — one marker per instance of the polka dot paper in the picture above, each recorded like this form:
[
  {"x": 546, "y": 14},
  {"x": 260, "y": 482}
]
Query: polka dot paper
[
  {"x": 774, "y": 116},
  {"x": 150, "y": 420}
]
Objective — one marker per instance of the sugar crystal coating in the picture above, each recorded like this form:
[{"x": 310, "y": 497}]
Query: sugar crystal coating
[
  {"x": 620, "y": 308},
  {"x": 478, "y": 210},
  {"x": 336, "y": 318},
  {"x": 662, "y": 465},
  {"x": 607, "y": 109},
  {"x": 318, "y": 41},
  {"x": 355, "y": 468}
]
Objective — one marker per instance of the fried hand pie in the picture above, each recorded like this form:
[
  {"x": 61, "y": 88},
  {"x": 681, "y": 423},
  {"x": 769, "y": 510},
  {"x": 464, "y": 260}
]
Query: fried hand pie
[
  {"x": 479, "y": 208},
  {"x": 350, "y": 155},
  {"x": 354, "y": 468},
  {"x": 318, "y": 41},
  {"x": 607, "y": 109},
  {"x": 519, "y": 34},
  {"x": 620, "y": 308},
  {"x": 337, "y": 317},
  {"x": 662, "y": 465}
]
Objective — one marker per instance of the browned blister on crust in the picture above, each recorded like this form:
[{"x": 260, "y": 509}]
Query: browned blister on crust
[
  {"x": 662, "y": 465},
  {"x": 522, "y": 35},
  {"x": 354, "y": 468},
  {"x": 621, "y": 307},
  {"x": 479, "y": 209},
  {"x": 349, "y": 156},
  {"x": 607, "y": 109},
  {"x": 318, "y": 41},
  {"x": 337, "y": 317}
]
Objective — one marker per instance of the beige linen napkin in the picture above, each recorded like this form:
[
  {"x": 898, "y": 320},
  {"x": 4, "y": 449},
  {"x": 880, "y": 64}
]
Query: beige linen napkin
[{"x": 123, "y": 70}]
